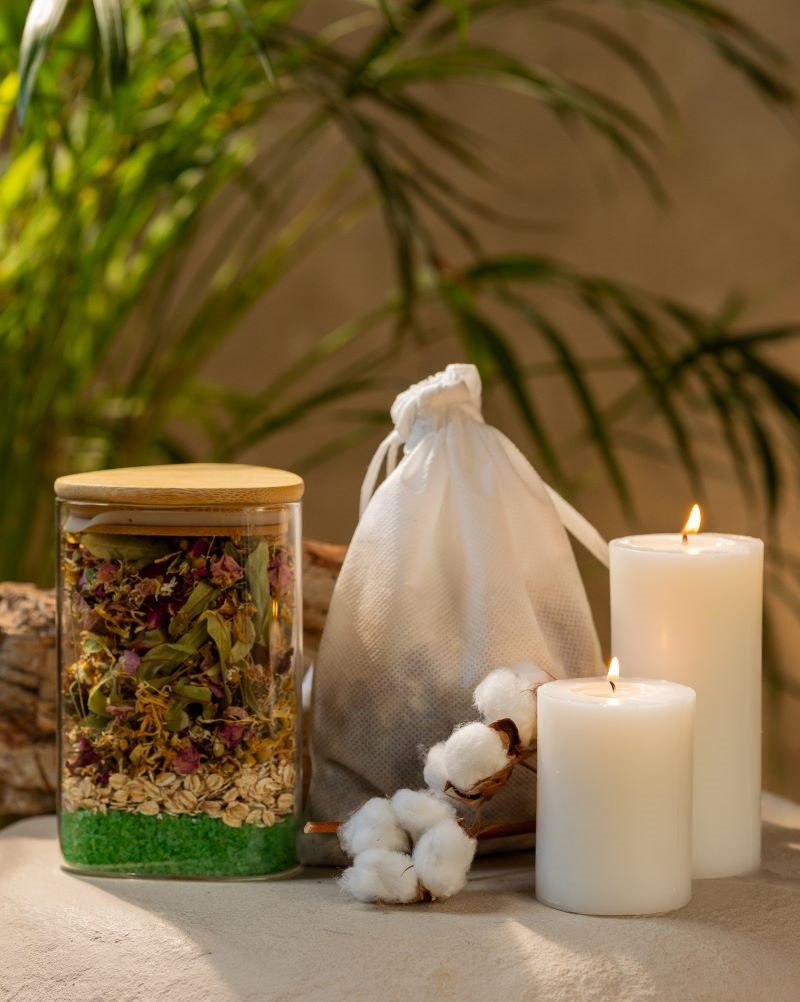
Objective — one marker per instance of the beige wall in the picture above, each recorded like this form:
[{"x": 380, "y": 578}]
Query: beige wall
[{"x": 733, "y": 171}]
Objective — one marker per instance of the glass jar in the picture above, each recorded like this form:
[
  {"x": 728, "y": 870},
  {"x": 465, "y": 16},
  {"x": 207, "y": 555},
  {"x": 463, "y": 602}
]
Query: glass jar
[{"x": 180, "y": 651}]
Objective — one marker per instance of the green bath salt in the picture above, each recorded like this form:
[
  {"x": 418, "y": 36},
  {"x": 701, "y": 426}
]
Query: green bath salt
[{"x": 191, "y": 846}]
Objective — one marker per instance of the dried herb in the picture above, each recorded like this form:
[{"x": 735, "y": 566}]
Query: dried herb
[{"x": 180, "y": 672}]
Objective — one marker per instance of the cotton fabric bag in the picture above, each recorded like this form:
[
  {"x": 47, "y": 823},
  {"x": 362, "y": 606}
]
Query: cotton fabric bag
[{"x": 460, "y": 564}]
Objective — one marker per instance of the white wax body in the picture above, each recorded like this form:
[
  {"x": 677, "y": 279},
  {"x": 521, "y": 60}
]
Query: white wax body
[
  {"x": 693, "y": 615},
  {"x": 614, "y": 796}
]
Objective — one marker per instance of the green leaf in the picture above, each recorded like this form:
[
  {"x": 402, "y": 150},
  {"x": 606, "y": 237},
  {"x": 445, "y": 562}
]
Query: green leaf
[
  {"x": 765, "y": 454},
  {"x": 189, "y": 18},
  {"x": 617, "y": 44},
  {"x": 756, "y": 58},
  {"x": 387, "y": 13},
  {"x": 136, "y": 550},
  {"x": 244, "y": 630},
  {"x": 98, "y": 700},
  {"x": 202, "y": 595},
  {"x": 601, "y": 298},
  {"x": 193, "y": 693},
  {"x": 150, "y": 638},
  {"x": 111, "y": 26},
  {"x": 173, "y": 655},
  {"x": 43, "y": 18},
  {"x": 573, "y": 372},
  {"x": 250, "y": 697},
  {"x": 514, "y": 267},
  {"x": 463, "y": 13},
  {"x": 492, "y": 353},
  {"x": 91, "y": 643},
  {"x": 176, "y": 718},
  {"x": 220, "y": 633},
  {"x": 97, "y": 722},
  {"x": 256, "y": 571},
  {"x": 245, "y": 22},
  {"x": 625, "y": 130}
]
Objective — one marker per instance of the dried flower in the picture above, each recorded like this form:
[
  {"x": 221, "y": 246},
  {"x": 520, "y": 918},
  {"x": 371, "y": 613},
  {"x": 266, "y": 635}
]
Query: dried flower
[
  {"x": 187, "y": 760},
  {"x": 86, "y": 755},
  {"x": 156, "y": 618},
  {"x": 143, "y": 589},
  {"x": 226, "y": 571},
  {"x": 106, "y": 572},
  {"x": 120, "y": 711},
  {"x": 86, "y": 616},
  {"x": 170, "y": 675},
  {"x": 281, "y": 574},
  {"x": 129, "y": 662}
]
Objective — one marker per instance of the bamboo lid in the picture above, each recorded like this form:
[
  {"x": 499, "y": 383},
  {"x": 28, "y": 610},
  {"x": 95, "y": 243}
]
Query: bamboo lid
[{"x": 184, "y": 485}]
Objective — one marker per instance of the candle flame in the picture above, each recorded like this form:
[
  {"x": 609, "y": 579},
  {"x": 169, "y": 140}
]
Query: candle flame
[
  {"x": 613, "y": 673},
  {"x": 693, "y": 521}
]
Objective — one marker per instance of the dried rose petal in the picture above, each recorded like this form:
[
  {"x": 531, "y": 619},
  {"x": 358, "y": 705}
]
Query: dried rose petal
[
  {"x": 209, "y": 683},
  {"x": 187, "y": 760},
  {"x": 106, "y": 572},
  {"x": 120, "y": 711},
  {"x": 86, "y": 755},
  {"x": 87, "y": 617},
  {"x": 129, "y": 662},
  {"x": 226, "y": 571},
  {"x": 284, "y": 662},
  {"x": 144, "y": 589},
  {"x": 281, "y": 574},
  {"x": 231, "y": 735},
  {"x": 156, "y": 618}
]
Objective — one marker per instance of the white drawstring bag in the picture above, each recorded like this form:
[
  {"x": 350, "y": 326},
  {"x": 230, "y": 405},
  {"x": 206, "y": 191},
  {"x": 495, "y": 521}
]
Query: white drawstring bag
[{"x": 459, "y": 565}]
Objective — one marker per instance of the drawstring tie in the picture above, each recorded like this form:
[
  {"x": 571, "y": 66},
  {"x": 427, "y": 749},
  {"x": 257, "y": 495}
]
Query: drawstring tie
[{"x": 418, "y": 410}]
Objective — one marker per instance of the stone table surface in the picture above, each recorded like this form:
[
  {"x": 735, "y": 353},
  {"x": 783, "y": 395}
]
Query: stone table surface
[{"x": 64, "y": 937}]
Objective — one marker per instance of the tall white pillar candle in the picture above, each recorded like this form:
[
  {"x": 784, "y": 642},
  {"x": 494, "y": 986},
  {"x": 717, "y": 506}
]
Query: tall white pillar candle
[
  {"x": 690, "y": 611},
  {"x": 614, "y": 796}
]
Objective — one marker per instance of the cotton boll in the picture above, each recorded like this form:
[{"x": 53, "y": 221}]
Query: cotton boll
[
  {"x": 473, "y": 753},
  {"x": 378, "y": 875},
  {"x": 419, "y": 810},
  {"x": 442, "y": 858},
  {"x": 434, "y": 772},
  {"x": 532, "y": 674},
  {"x": 373, "y": 826},
  {"x": 503, "y": 693}
]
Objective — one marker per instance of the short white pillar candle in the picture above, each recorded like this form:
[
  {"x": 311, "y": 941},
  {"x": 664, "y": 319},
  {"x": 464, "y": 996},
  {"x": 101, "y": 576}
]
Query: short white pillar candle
[
  {"x": 614, "y": 796},
  {"x": 689, "y": 610}
]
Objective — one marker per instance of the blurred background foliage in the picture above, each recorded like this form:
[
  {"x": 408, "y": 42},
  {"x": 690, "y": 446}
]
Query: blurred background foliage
[{"x": 156, "y": 133}]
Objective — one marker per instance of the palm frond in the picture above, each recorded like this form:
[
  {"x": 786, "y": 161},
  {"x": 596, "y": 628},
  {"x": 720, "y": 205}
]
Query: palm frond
[
  {"x": 492, "y": 353},
  {"x": 189, "y": 18},
  {"x": 574, "y": 369},
  {"x": 243, "y": 18},
  {"x": 43, "y": 19},
  {"x": 118, "y": 189},
  {"x": 111, "y": 27}
]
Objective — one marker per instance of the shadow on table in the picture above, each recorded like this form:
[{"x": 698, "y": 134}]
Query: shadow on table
[
  {"x": 781, "y": 855},
  {"x": 38, "y": 826},
  {"x": 736, "y": 940}
]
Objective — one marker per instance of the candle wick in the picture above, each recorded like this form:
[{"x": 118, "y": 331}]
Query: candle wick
[
  {"x": 613, "y": 687},
  {"x": 685, "y": 541}
]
